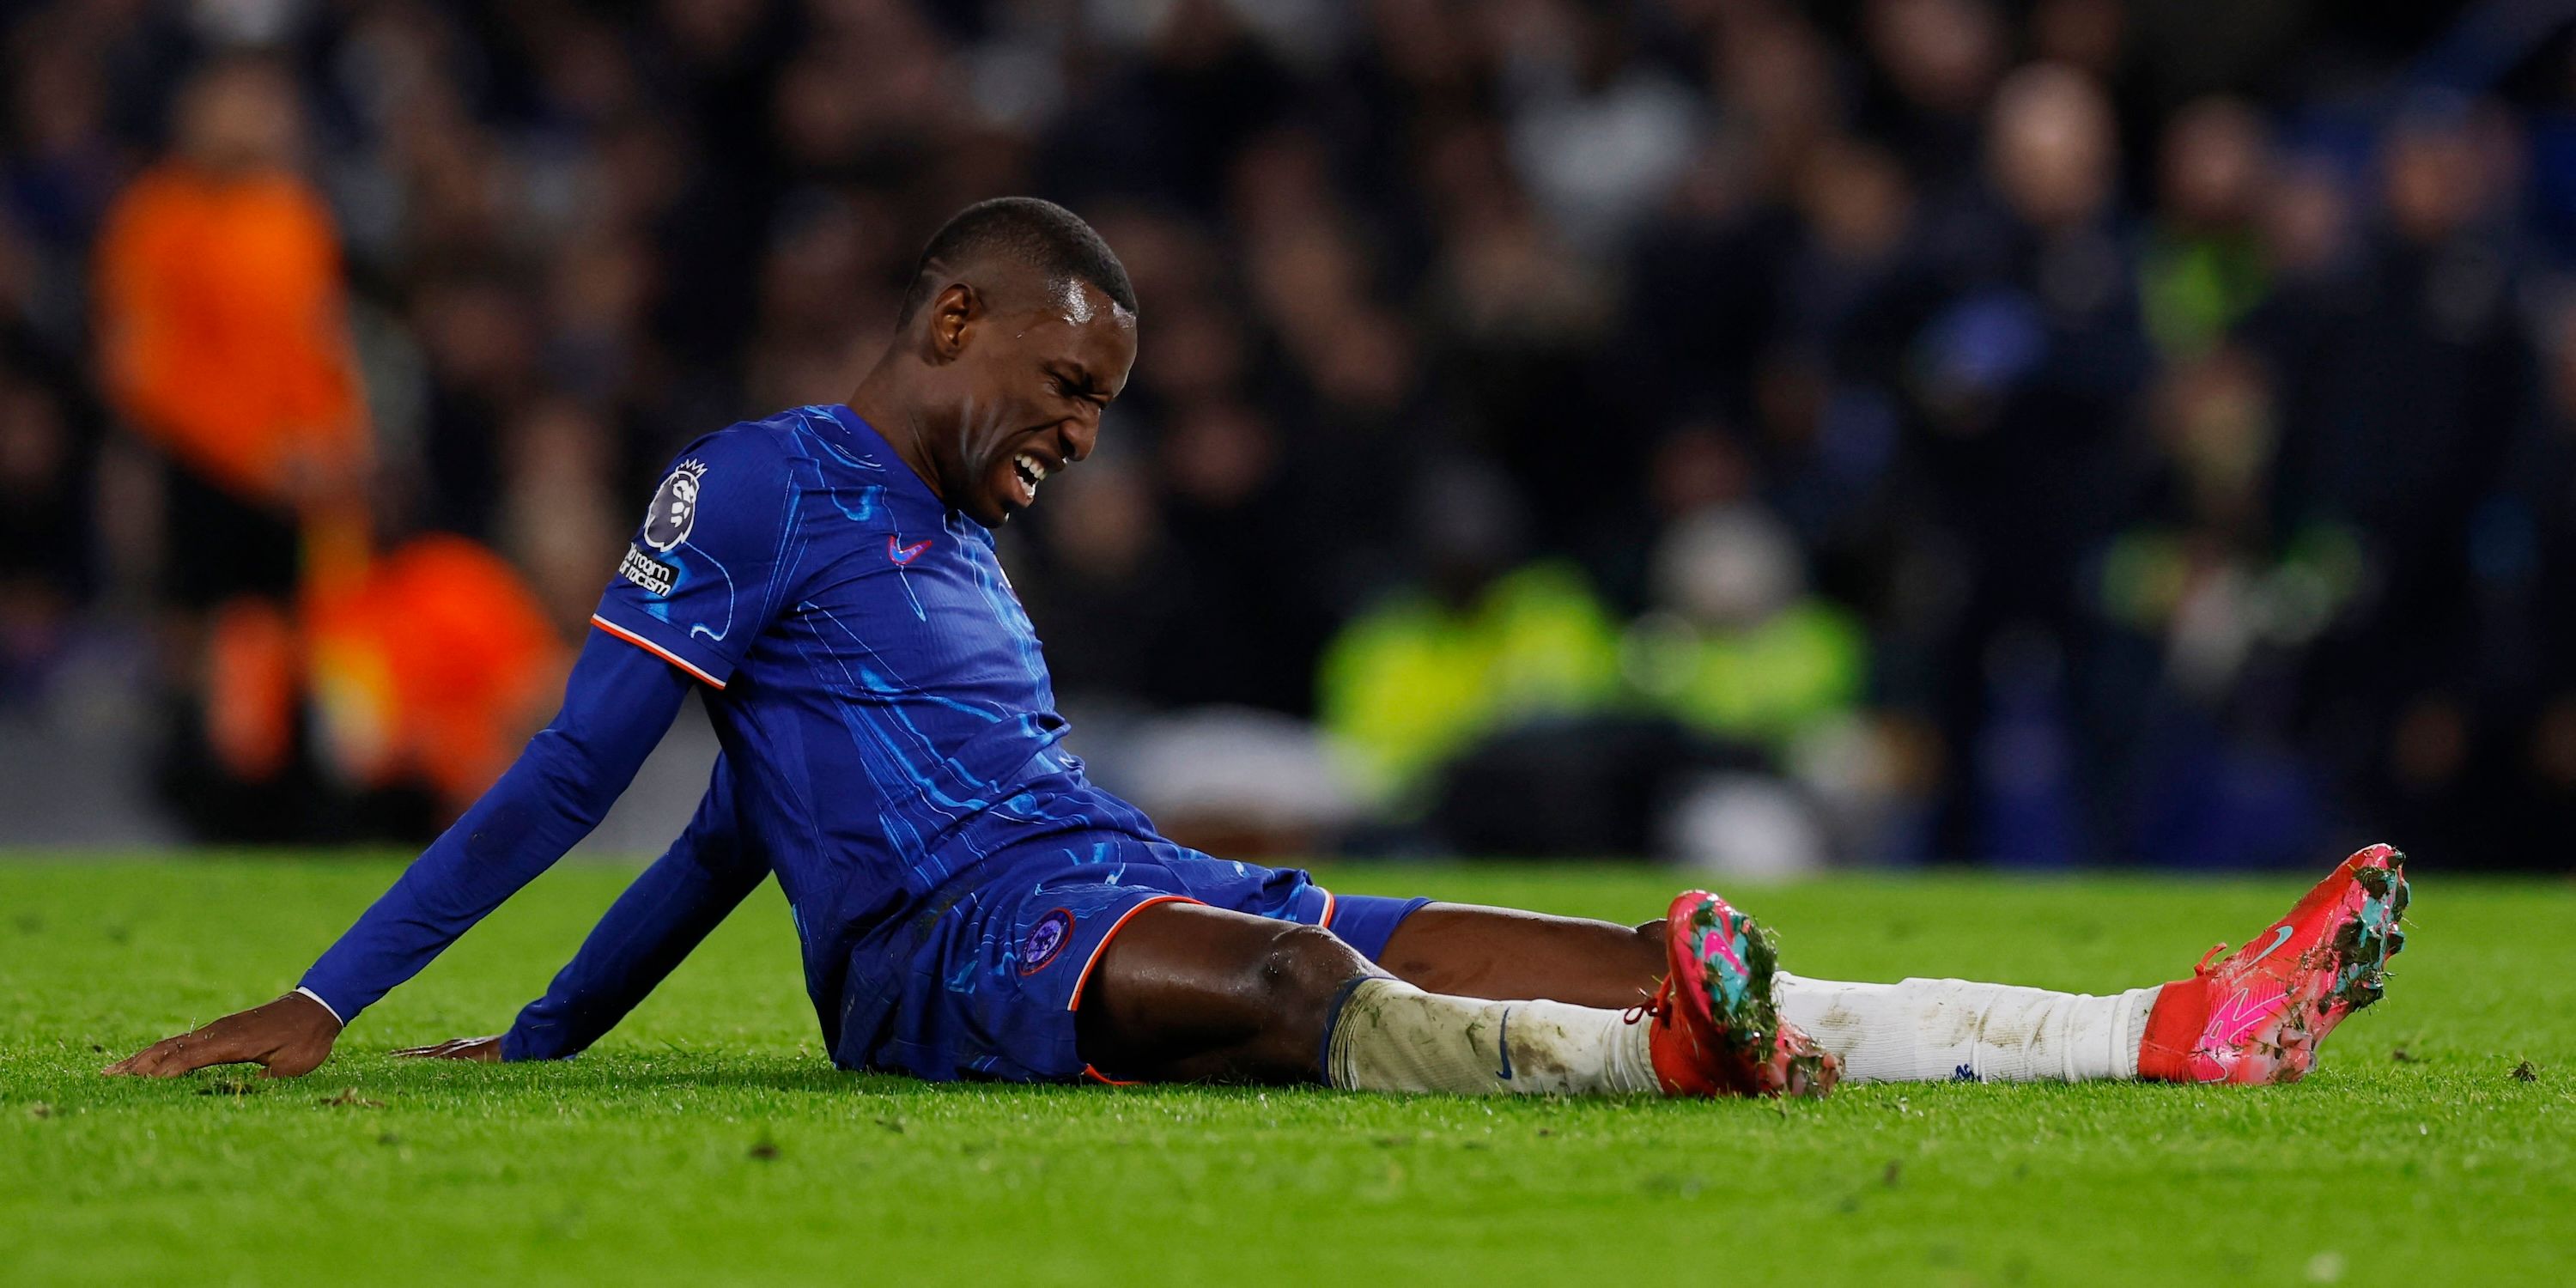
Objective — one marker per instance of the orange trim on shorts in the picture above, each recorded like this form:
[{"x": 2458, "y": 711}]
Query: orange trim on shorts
[
  {"x": 1075, "y": 1002},
  {"x": 652, "y": 648},
  {"x": 1329, "y": 909}
]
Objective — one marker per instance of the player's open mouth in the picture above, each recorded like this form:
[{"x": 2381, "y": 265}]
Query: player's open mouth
[{"x": 1029, "y": 471}]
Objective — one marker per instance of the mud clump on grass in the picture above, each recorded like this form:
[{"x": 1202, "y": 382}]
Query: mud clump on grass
[{"x": 2526, "y": 1072}]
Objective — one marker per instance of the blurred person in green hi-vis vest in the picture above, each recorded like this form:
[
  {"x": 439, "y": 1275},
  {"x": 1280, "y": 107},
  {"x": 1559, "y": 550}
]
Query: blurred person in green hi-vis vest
[
  {"x": 1737, "y": 647},
  {"x": 1474, "y": 646},
  {"x": 1420, "y": 676}
]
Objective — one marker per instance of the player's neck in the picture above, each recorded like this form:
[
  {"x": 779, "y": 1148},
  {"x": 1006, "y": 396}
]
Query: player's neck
[{"x": 884, "y": 402}]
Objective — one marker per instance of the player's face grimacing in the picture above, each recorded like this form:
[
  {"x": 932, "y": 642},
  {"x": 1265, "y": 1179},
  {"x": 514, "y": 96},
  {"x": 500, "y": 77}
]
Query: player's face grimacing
[{"x": 1035, "y": 381}]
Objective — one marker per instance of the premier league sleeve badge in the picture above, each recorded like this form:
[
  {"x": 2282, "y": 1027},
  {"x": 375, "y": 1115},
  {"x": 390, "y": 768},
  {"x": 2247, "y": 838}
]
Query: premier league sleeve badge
[{"x": 675, "y": 507}]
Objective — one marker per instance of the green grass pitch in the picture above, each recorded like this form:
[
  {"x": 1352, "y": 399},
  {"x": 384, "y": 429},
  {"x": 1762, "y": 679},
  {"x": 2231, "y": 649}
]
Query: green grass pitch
[{"x": 707, "y": 1140}]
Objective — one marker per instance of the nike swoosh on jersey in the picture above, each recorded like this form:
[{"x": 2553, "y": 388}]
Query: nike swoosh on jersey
[{"x": 903, "y": 554}]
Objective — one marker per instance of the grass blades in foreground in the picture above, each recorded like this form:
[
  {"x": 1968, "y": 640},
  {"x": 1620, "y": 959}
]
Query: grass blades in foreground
[{"x": 708, "y": 1141}]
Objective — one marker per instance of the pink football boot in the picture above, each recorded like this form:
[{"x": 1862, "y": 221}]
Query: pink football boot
[
  {"x": 2258, "y": 1015},
  {"x": 1718, "y": 1030}
]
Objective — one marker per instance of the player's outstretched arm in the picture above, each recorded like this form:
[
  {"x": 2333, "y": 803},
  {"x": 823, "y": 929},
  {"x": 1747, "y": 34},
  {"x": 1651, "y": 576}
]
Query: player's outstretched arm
[
  {"x": 617, "y": 705},
  {"x": 645, "y": 935}
]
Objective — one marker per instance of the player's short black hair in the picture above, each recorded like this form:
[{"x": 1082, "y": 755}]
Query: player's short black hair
[{"x": 1041, "y": 234}]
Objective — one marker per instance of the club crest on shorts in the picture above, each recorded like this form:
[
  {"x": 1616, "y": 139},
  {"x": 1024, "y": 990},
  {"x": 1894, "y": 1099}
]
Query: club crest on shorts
[
  {"x": 1046, "y": 939},
  {"x": 675, "y": 507}
]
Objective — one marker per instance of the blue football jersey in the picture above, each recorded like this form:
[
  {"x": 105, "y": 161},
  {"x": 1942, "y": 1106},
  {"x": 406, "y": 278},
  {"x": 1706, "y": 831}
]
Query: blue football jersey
[
  {"x": 892, "y": 753},
  {"x": 872, "y": 677}
]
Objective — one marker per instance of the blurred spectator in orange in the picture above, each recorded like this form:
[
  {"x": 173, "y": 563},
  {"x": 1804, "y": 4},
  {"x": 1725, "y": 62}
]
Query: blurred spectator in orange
[
  {"x": 221, "y": 321},
  {"x": 221, "y": 308},
  {"x": 433, "y": 671},
  {"x": 224, "y": 340}
]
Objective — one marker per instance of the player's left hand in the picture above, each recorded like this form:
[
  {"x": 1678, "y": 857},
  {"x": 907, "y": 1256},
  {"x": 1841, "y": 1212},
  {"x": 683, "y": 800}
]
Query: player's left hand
[
  {"x": 287, "y": 1038},
  {"x": 480, "y": 1050}
]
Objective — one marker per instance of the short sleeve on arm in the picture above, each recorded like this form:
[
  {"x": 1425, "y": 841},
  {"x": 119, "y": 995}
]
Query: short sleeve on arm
[{"x": 702, "y": 573}]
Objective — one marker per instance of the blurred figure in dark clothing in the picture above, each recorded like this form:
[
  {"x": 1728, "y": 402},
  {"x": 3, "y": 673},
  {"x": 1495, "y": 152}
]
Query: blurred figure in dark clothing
[
  {"x": 45, "y": 554},
  {"x": 1105, "y": 589},
  {"x": 2405, "y": 371},
  {"x": 1253, "y": 624},
  {"x": 2524, "y": 550},
  {"x": 1163, "y": 126},
  {"x": 2203, "y": 268},
  {"x": 2022, "y": 382}
]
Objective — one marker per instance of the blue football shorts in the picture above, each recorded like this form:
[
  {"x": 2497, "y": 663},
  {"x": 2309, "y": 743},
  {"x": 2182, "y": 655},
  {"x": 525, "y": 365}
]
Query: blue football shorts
[{"x": 985, "y": 982}]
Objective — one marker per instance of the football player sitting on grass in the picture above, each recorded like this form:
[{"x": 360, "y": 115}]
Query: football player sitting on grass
[{"x": 971, "y": 905}]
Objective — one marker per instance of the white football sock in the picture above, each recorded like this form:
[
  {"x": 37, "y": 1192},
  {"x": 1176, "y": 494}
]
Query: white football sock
[
  {"x": 1391, "y": 1036},
  {"x": 1932, "y": 1030}
]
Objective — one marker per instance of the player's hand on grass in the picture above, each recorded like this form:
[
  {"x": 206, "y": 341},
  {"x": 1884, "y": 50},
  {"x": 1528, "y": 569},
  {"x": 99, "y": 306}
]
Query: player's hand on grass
[
  {"x": 288, "y": 1038},
  {"x": 480, "y": 1050}
]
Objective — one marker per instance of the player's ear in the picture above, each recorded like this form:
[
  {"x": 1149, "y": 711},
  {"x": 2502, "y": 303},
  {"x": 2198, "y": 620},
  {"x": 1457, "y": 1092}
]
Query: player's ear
[{"x": 956, "y": 307}]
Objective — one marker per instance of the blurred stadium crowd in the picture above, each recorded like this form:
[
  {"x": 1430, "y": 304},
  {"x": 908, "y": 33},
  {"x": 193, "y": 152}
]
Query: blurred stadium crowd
[{"x": 1764, "y": 434}]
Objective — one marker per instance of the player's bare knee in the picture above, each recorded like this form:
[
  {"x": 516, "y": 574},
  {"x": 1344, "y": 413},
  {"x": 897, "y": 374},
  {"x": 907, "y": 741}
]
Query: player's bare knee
[
  {"x": 1298, "y": 978},
  {"x": 1305, "y": 964}
]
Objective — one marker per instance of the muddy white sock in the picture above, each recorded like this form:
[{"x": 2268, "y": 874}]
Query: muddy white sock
[
  {"x": 1391, "y": 1036},
  {"x": 1929, "y": 1030}
]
